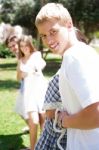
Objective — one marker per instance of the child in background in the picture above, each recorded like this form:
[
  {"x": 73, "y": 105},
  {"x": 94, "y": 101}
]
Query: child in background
[
  {"x": 31, "y": 97},
  {"x": 12, "y": 44}
]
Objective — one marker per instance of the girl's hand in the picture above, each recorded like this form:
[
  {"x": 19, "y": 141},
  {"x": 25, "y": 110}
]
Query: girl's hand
[
  {"x": 23, "y": 74},
  {"x": 50, "y": 114}
]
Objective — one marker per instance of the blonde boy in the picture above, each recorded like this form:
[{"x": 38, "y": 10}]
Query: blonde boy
[{"x": 79, "y": 77}]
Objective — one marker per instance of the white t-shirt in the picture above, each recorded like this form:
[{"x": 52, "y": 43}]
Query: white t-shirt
[{"x": 79, "y": 87}]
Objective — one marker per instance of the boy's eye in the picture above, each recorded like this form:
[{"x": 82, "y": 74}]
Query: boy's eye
[
  {"x": 43, "y": 36},
  {"x": 53, "y": 32}
]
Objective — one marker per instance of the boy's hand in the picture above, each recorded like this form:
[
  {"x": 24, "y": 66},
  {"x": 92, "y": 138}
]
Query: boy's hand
[{"x": 62, "y": 119}]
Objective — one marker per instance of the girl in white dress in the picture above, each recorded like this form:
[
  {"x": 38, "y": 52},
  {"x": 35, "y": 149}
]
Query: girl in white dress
[{"x": 31, "y": 97}]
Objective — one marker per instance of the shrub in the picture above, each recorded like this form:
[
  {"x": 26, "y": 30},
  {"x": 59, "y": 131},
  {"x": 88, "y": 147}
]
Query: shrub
[{"x": 5, "y": 52}]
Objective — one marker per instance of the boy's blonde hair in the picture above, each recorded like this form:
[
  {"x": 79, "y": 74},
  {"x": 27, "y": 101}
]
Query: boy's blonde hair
[{"x": 53, "y": 11}]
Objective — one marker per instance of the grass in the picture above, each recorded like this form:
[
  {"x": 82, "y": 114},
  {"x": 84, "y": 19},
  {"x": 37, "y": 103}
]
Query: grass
[{"x": 11, "y": 136}]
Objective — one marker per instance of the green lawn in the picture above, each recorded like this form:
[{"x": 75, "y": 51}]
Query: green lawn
[{"x": 11, "y": 135}]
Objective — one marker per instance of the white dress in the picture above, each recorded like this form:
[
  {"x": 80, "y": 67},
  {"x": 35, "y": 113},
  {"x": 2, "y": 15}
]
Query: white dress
[{"x": 34, "y": 85}]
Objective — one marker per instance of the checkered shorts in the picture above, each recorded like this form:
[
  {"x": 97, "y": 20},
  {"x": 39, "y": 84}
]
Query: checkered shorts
[{"x": 48, "y": 138}]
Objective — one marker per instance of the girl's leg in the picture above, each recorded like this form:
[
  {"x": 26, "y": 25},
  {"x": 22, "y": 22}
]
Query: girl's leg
[
  {"x": 33, "y": 122},
  {"x": 25, "y": 129},
  {"x": 41, "y": 119}
]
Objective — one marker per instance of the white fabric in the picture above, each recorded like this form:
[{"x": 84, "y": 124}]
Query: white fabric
[
  {"x": 35, "y": 117},
  {"x": 34, "y": 86},
  {"x": 79, "y": 87},
  {"x": 58, "y": 130}
]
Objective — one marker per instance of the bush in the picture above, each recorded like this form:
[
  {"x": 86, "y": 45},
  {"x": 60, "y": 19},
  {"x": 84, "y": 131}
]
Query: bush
[{"x": 5, "y": 52}]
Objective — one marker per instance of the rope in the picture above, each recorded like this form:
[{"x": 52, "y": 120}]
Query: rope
[{"x": 62, "y": 130}]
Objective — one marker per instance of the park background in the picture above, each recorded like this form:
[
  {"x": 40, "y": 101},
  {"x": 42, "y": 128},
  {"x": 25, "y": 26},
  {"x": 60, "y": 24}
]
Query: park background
[{"x": 85, "y": 14}]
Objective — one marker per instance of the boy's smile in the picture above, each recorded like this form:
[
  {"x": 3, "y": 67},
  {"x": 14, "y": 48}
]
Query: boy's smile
[{"x": 54, "y": 35}]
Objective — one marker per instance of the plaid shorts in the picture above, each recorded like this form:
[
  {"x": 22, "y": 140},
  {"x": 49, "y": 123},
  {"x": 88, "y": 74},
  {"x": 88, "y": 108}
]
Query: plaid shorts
[{"x": 48, "y": 138}]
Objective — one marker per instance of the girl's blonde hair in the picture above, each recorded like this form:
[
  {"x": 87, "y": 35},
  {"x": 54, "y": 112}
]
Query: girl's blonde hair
[
  {"x": 52, "y": 11},
  {"x": 29, "y": 42}
]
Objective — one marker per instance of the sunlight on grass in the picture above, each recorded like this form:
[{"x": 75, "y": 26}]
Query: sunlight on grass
[{"x": 11, "y": 124}]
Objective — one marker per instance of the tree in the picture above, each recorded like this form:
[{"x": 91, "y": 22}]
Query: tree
[
  {"x": 18, "y": 12},
  {"x": 85, "y": 13}
]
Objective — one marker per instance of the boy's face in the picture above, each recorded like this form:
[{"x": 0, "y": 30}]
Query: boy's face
[
  {"x": 54, "y": 35},
  {"x": 13, "y": 45}
]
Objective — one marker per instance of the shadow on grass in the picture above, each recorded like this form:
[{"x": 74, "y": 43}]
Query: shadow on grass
[
  {"x": 11, "y": 142},
  {"x": 8, "y": 84},
  {"x": 52, "y": 67},
  {"x": 8, "y": 66}
]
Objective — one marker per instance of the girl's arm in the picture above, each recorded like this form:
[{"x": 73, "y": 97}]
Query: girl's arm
[
  {"x": 20, "y": 74},
  {"x": 43, "y": 63},
  {"x": 40, "y": 62}
]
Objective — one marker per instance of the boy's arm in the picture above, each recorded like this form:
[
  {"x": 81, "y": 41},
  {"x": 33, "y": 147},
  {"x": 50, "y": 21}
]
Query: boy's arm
[{"x": 88, "y": 118}]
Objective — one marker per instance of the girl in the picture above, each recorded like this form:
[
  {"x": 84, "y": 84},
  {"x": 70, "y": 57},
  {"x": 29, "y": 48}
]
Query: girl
[
  {"x": 31, "y": 97},
  {"x": 49, "y": 137}
]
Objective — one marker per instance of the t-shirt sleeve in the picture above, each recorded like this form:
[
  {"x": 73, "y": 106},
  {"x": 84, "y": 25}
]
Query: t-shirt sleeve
[{"x": 84, "y": 80}]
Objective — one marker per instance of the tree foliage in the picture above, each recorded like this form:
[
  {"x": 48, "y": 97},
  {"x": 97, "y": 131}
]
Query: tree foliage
[
  {"x": 18, "y": 12},
  {"x": 85, "y": 13}
]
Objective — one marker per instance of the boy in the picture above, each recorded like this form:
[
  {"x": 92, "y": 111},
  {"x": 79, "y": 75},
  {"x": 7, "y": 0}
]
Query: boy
[
  {"x": 79, "y": 77},
  {"x": 12, "y": 44}
]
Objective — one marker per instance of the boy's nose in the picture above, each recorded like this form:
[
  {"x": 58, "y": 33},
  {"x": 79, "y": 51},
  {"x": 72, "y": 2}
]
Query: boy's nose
[{"x": 49, "y": 39}]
